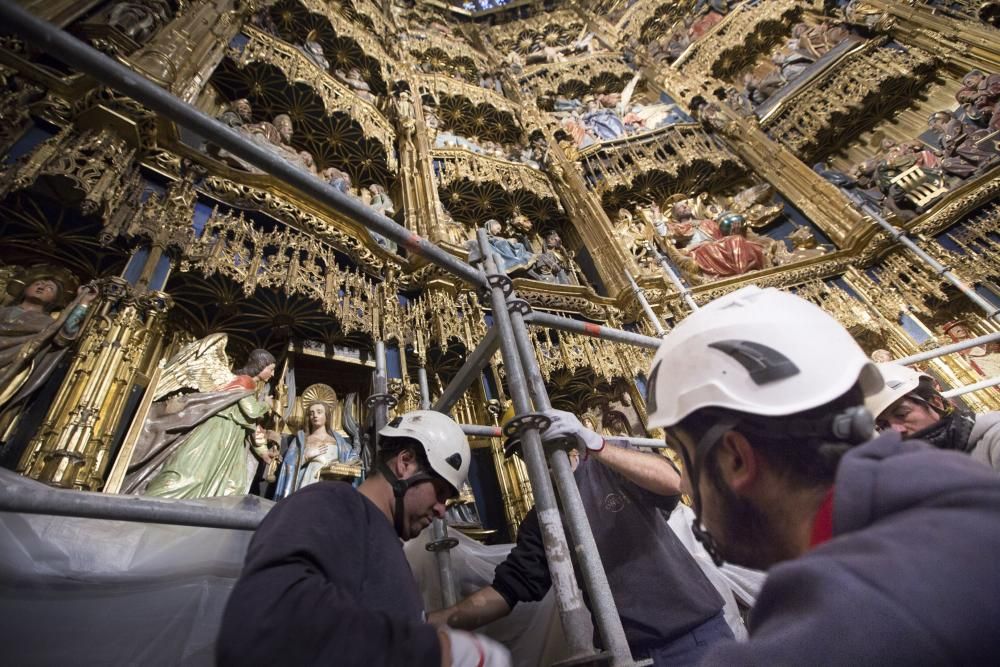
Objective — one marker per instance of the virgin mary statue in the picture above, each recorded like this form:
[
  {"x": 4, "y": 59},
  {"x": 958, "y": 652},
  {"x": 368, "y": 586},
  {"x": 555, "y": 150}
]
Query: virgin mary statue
[{"x": 317, "y": 445}]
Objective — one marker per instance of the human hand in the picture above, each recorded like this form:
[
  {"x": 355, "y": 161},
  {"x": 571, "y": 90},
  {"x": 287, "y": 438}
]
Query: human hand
[
  {"x": 566, "y": 425},
  {"x": 473, "y": 650},
  {"x": 87, "y": 293}
]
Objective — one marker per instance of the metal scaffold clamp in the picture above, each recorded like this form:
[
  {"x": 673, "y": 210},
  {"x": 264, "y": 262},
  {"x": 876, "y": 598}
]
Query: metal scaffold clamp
[
  {"x": 388, "y": 400},
  {"x": 518, "y": 305},
  {"x": 443, "y": 544},
  {"x": 501, "y": 281}
]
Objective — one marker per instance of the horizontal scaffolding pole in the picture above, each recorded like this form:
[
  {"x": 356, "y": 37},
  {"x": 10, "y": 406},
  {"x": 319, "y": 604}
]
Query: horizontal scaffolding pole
[
  {"x": 968, "y": 389},
  {"x": 948, "y": 349},
  {"x": 594, "y": 330},
  {"x": 470, "y": 371},
  {"x": 621, "y": 440},
  {"x": 88, "y": 60},
  {"x": 90, "y": 505}
]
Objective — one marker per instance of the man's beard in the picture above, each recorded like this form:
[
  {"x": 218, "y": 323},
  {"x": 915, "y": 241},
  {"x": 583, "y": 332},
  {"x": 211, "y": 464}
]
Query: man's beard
[{"x": 745, "y": 535}]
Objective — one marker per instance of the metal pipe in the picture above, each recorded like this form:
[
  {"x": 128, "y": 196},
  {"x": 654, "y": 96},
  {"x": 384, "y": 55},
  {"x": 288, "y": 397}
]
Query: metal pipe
[
  {"x": 92, "y": 505},
  {"x": 469, "y": 372},
  {"x": 380, "y": 386},
  {"x": 684, "y": 290},
  {"x": 939, "y": 268},
  {"x": 640, "y": 296},
  {"x": 984, "y": 384},
  {"x": 602, "y": 601},
  {"x": 569, "y": 601},
  {"x": 425, "y": 391},
  {"x": 621, "y": 440},
  {"x": 441, "y": 546},
  {"x": 948, "y": 349},
  {"x": 88, "y": 60},
  {"x": 593, "y": 330}
]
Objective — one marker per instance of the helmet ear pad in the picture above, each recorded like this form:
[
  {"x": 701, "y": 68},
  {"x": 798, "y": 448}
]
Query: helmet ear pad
[{"x": 854, "y": 425}]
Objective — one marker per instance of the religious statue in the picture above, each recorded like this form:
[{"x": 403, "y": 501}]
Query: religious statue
[
  {"x": 718, "y": 248},
  {"x": 380, "y": 201},
  {"x": 313, "y": 51},
  {"x": 201, "y": 444},
  {"x": 514, "y": 256},
  {"x": 140, "y": 20},
  {"x": 980, "y": 98},
  {"x": 340, "y": 180},
  {"x": 603, "y": 122},
  {"x": 634, "y": 235},
  {"x": 276, "y": 137},
  {"x": 352, "y": 79},
  {"x": 406, "y": 113},
  {"x": 984, "y": 359},
  {"x": 555, "y": 264},
  {"x": 237, "y": 113},
  {"x": 961, "y": 152},
  {"x": 32, "y": 341},
  {"x": 318, "y": 445}
]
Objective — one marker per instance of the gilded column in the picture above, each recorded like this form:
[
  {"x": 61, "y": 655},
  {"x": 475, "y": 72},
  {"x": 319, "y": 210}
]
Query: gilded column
[
  {"x": 185, "y": 52},
  {"x": 72, "y": 446}
]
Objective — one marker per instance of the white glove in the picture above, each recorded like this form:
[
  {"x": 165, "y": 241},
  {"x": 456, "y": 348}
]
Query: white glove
[
  {"x": 566, "y": 425},
  {"x": 473, "y": 650}
]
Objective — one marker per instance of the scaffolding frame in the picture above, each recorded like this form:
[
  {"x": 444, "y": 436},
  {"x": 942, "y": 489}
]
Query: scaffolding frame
[{"x": 509, "y": 334}]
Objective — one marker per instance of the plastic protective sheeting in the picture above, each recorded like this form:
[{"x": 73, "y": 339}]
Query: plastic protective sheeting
[
  {"x": 95, "y": 592},
  {"x": 532, "y": 631}
]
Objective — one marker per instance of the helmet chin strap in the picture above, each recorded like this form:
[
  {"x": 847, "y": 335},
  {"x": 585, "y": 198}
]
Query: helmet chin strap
[
  {"x": 705, "y": 444},
  {"x": 399, "y": 489}
]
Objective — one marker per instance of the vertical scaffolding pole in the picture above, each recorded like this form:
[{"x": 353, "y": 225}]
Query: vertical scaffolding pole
[
  {"x": 676, "y": 280},
  {"x": 572, "y": 611},
  {"x": 640, "y": 296},
  {"x": 602, "y": 601},
  {"x": 441, "y": 544},
  {"x": 380, "y": 400}
]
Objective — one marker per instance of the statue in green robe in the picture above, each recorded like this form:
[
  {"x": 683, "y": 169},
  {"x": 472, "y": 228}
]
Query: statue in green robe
[{"x": 202, "y": 444}]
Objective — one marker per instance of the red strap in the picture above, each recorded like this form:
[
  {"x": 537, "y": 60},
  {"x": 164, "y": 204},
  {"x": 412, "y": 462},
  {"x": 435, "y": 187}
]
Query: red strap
[{"x": 822, "y": 529}]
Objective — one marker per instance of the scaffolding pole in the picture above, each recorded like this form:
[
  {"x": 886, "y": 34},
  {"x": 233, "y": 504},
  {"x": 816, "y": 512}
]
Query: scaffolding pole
[
  {"x": 440, "y": 544},
  {"x": 482, "y": 431},
  {"x": 967, "y": 389},
  {"x": 569, "y": 602},
  {"x": 939, "y": 268},
  {"x": 593, "y": 330},
  {"x": 948, "y": 349},
  {"x": 512, "y": 310},
  {"x": 34, "y": 498},
  {"x": 684, "y": 290},
  {"x": 380, "y": 400},
  {"x": 469, "y": 372},
  {"x": 640, "y": 296}
]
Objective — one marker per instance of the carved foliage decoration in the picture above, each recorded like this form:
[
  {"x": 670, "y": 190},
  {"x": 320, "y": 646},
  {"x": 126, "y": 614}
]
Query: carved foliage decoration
[{"x": 866, "y": 86}]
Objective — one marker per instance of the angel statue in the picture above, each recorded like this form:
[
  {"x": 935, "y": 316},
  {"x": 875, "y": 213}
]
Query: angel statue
[
  {"x": 201, "y": 444},
  {"x": 319, "y": 444}
]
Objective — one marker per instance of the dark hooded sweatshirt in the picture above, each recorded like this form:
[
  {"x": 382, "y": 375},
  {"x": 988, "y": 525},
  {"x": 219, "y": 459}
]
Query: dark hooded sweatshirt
[
  {"x": 326, "y": 583},
  {"x": 910, "y": 577}
]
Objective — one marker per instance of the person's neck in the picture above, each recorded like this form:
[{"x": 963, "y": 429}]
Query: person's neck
[
  {"x": 377, "y": 490},
  {"x": 32, "y": 305},
  {"x": 792, "y": 517}
]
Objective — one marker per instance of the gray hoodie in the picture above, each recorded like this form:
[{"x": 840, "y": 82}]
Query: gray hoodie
[
  {"x": 911, "y": 576},
  {"x": 985, "y": 439}
]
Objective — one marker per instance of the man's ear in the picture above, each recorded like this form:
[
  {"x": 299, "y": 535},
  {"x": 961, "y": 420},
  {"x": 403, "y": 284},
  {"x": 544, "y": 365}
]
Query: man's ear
[
  {"x": 738, "y": 462},
  {"x": 939, "y": 405},
  {"x": 406, "y": 461}
]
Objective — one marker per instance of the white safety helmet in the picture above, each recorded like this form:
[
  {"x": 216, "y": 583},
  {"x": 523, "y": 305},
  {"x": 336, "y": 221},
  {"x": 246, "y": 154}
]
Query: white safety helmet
[
  {"x": 444, "y": 443},
  {"x": 899, "y": 381},
  {"x": 758, "y": 351}
]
